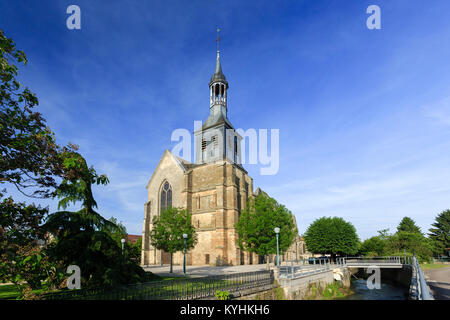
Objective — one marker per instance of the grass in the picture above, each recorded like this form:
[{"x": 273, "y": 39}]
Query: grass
[
  {"x": 8, "y": 291},
  {"x": 11, "y": 292},
  {"x": 335, "y": 291},
  {"x": 434, "y": 266}
]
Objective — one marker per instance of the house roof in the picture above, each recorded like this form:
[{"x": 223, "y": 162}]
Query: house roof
[{"x": 133, "y": 238}]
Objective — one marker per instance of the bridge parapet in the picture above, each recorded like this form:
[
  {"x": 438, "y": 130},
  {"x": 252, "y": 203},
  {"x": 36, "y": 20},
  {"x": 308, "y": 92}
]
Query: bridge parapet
[{"x": 382, "y": 262}]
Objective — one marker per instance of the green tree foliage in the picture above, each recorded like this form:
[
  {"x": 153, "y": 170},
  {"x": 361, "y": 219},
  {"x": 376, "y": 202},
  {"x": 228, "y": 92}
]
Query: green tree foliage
[
  {"x": 30, "y": 158},
  {"x": 80, "y": 237},
  {"x": 374, "y": 246},
  {"x": 134, "y": 251},
  {"x": 408, "y": 225},
  {"x": 31, "y": 162},
  {"x": 22, "y": 261},
  {"x": 332, "y": 236},
  {"x": 257, "y": 222},
  {"x": 168, "y": 229},
  {"x": 117, "y": 232},
  {"x": 410, "y": 239},
  {"x": 440, "y": 233}
]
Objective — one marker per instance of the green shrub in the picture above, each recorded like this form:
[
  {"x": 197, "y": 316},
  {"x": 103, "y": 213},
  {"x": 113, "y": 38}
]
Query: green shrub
[{"x": 222, "y": 295}]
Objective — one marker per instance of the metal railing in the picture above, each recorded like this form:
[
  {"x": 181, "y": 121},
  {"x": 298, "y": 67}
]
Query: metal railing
[
  {"x": 184, "y": 289},
  {"x": 422, "y": 287},
  {"x": 441, "y": 259},
  {"x": 343, "y": 261},
  {"x": 296, "y": 269}
]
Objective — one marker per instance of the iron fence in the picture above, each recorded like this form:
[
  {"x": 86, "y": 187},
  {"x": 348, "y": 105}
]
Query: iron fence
[{"x": 176, "y": 289}]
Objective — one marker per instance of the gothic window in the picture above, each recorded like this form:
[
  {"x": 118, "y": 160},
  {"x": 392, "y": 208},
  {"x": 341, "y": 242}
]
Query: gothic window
[{"x": 166, "y": 196}]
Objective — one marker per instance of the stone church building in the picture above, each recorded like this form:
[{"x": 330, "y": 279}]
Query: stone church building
[{"x": 214, "y": 189}]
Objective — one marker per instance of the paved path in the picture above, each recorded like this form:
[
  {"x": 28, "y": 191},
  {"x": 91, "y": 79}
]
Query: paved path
[
  {"x": 439, "y": 282},
  {"x": 203, "y": 271}
]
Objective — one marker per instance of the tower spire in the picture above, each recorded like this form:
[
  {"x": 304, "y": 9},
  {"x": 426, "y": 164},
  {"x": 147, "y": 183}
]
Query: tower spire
[{"x": 218, "y": 39}]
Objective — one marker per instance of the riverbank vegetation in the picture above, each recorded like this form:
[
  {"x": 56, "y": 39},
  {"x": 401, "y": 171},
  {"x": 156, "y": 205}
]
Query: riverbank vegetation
[
  {"x": 332, "y": 291},
  {"x": 408, "y": 240}
]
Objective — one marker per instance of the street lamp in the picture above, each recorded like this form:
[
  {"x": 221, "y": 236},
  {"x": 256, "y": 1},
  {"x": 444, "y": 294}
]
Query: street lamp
[
  {"x": 184, "y": 259},
  {"x": 277, "y": 231},
  {"x": 123, "y": 242}
]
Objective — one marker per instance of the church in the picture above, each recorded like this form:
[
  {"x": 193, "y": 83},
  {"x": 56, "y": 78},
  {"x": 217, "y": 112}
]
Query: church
[{"x": 214, "y": 189}]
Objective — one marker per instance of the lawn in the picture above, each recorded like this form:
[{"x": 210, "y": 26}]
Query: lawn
[{"x": 434, "y": 266}]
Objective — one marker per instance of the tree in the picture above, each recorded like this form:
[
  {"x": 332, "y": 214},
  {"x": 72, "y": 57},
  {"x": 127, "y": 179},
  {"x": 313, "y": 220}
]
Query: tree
[
  {"x": 30, "y": 157},
  {"x": 408, "y": 225},
  {"x": 118, "y": 232},
  {"x": 80, "y": 237},
  {"x": 30, "y": 160},
  {"x": 255, "y": 227},
  {"x": 440, "y": 233},
  {"x": 409, "y": 239},
  {"x": 21, "y": 257},
  {"x": 373, "y": 246},
  {"x": 332, "y": 236},
  {"x": 134, "y": 251},
  {"x": 168, "y": 230}
]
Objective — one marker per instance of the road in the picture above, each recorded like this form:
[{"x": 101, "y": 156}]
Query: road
[{"x": 439, "y": 282}]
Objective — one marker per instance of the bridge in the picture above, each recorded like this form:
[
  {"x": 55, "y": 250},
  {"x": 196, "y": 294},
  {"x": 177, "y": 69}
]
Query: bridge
[
  {"x": 380, "y": 262},
  {"x": 294, "y": 271}
]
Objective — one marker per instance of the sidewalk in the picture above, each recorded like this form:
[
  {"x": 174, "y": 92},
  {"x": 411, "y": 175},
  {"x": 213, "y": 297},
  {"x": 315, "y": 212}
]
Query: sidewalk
[
  {"x": 439, "y": 282},
  {"x": 204, "y": 271}
]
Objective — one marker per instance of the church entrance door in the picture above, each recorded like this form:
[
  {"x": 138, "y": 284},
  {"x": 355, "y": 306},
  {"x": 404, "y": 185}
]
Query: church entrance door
[{"x": 165, "y": 257}]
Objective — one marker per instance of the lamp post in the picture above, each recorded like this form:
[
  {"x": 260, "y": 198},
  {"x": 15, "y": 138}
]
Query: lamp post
[
  {"x": 123, "y": 242},
  {"x": 277, "y": 231},
  {"x": 184, "y": 258}
]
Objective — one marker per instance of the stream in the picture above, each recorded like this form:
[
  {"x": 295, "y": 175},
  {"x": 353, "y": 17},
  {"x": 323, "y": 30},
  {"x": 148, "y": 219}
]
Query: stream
[{"x": 387, "y": 292}]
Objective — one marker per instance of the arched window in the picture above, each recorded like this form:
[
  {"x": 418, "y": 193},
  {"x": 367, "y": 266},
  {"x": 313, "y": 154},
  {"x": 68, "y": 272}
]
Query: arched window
[{"x": 166, "y": 196}]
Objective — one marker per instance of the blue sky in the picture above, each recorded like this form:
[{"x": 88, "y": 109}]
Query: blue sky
[{"x": 364, "y": 115}]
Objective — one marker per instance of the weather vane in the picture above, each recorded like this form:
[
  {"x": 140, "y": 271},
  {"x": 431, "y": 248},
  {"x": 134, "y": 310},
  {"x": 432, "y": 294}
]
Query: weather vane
[{"x": 218, "y": 38}]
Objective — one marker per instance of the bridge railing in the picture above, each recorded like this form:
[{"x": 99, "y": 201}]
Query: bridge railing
[
  {"x": 422, "y": 287},
  {"x": 296, "y": 269},
  {"x": 343, "y": 261}
]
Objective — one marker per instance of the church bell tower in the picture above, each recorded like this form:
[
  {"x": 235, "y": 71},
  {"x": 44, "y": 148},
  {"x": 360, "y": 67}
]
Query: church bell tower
[{"x": 217, "y": 139}]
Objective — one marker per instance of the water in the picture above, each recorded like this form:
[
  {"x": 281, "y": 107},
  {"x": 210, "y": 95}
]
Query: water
[{"x": 387, "y": 292}]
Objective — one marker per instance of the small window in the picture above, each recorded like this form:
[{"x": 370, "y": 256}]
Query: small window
[
  {"x": 203, "y": 144},
  {"x": 215, "y": 141},
  {"x": 207, "y": 258}
]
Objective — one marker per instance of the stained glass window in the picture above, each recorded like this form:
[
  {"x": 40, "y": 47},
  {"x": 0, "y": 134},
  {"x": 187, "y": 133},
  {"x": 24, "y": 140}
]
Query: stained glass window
[{"x": 166, "y": 196}]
